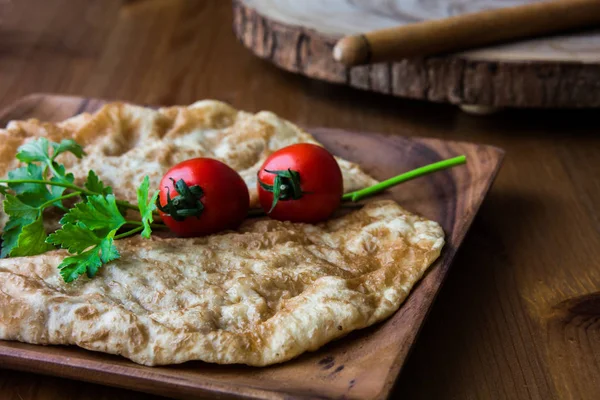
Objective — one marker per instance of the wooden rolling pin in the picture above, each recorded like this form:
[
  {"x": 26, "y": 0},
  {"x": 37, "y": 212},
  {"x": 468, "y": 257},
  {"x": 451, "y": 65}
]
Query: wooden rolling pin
[{"x": 467, "y": 31}]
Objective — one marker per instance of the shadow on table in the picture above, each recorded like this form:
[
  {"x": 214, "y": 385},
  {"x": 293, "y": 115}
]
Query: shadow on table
[{"x": 464, "y": 326}]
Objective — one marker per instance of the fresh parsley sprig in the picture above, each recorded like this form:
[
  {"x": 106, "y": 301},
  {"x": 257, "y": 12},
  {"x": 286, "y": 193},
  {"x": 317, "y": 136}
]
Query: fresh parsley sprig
[
  {"x": 88, "y": 232},
  {"x": 88, "y": 229}
]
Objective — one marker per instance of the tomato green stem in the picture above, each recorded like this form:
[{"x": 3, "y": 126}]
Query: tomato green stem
[{"x": 415, "y": 173}]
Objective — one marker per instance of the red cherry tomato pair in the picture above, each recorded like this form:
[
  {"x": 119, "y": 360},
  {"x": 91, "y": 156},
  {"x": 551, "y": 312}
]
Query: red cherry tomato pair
[{"x": 299, "y": 183}]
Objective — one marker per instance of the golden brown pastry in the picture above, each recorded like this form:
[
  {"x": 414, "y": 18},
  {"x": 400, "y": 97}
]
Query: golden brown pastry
[{"x": 259, "y": 296}]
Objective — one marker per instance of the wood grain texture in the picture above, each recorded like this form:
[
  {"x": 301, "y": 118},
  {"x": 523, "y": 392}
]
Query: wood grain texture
[
  {"x": 534, "y": 244},
  {"x": 364, "y": 364},
  {"x": 549, "y": 72}
]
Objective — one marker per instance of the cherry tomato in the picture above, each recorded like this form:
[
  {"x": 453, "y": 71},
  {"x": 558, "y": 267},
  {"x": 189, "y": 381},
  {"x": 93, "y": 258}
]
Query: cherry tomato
[
  {"x": 306, "y": 181},
  {"x": 201, "y": 196}
]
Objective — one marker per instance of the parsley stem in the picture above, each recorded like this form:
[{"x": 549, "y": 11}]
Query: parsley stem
[
  {"x": 54, "y": 171},
  {"x": 139, "y": 223},
  {"x": 43, "y": 182},
  {"x": 66, "y": 196},
  {"x": 76, "y": 188},
  {"x": 126, "y": 204},
  {"x": 129, "y": 233},
  {"x": 415, "y": 173}
]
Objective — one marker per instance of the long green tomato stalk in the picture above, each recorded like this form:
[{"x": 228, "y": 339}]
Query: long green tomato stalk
[{"x": 407, "y": 176}]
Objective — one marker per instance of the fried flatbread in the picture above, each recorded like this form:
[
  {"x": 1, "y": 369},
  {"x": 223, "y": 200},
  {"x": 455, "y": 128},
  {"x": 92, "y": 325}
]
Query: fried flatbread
[
  {"x": 259, "y": 296},
  {"x": 124, "y": 142}
]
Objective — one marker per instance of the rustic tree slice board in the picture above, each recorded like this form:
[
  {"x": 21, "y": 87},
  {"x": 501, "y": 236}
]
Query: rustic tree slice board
[
  {"x": 559, "y": 71},
  {"x": 364, "y": 364}
]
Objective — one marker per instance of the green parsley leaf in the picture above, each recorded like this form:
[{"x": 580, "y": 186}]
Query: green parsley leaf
[
  {"x": 62, "y": 177},
  {"x": 31, "y": 171},
  {"x": 57, "y": 191},
  {"x": 14, "y": 222},
  {"x": 36, "y": 150},
  {"x": 67, "y": 145},
  {"x": 96, "y": 213},
  {"x": 10, "y": 234},
  {"x": 76, "y": 238},
  {"x": 14, "y": 207},
  {"x": 94, "y": 184},
  {"x": 108, "y": 251},
  {"x": 36, "y": 194},
  {"x": 73, "y": 266},
  {"x": 31, "y": 240},
  {"x": 61, "y": 174},
  {"x": 33, "y": 194},
  {"x": 146, "y": 206},
  {"x": 89, "y": 261},
  {"x": 88, "y": 231},
  {"x": 24, "y": 233}
]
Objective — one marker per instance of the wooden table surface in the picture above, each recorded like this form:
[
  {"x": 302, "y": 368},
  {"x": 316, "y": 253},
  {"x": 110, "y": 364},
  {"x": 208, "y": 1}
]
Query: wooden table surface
[{"x": 518, "y": 317}]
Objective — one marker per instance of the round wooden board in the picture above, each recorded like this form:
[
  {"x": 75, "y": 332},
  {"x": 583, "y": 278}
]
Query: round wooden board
[{"x": 557, "y": 72}]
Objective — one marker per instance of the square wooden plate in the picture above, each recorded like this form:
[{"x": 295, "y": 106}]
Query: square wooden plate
[{"x": 362, "y": 365}]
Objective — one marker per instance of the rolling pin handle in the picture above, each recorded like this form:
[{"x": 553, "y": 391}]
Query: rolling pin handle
[{"x": 353, "y": 50}]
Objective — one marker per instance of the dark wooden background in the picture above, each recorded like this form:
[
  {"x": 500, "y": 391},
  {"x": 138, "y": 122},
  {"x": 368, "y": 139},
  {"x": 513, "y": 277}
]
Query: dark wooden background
[{"x": 518, "y": 317}]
